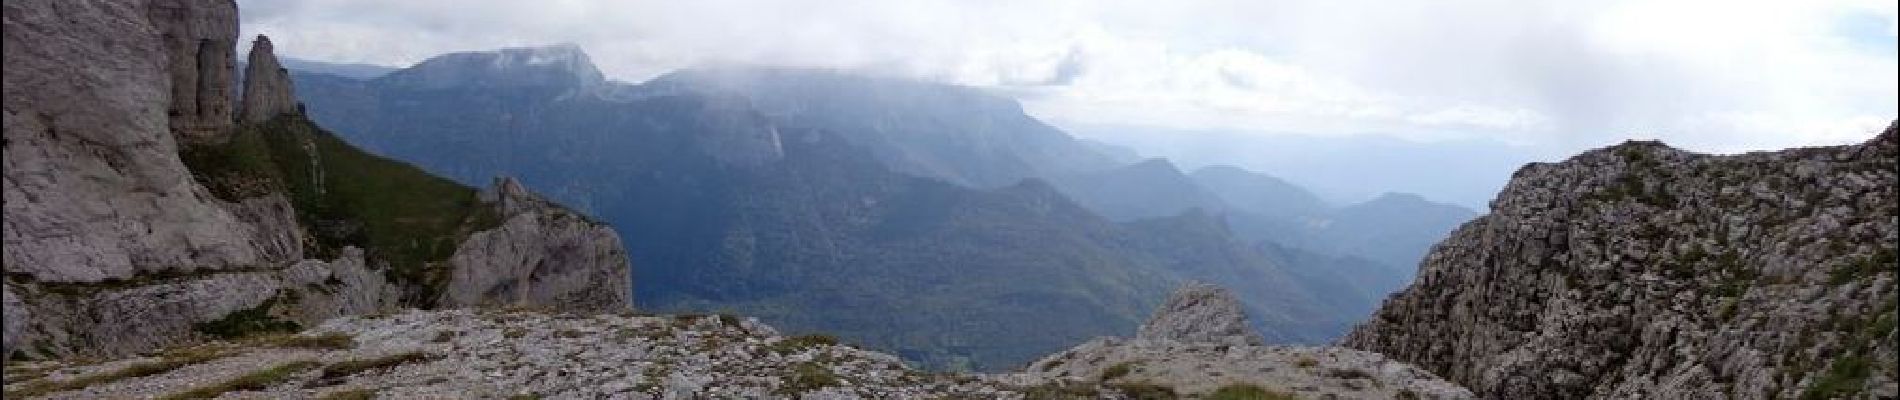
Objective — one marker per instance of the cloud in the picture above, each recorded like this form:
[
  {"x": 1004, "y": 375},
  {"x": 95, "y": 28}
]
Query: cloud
[{"x": 1706, "y": 74}]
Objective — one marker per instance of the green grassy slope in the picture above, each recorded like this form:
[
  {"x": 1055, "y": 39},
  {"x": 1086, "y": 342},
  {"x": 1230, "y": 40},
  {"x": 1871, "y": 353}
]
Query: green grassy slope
[{"x": 343, "y": 196}]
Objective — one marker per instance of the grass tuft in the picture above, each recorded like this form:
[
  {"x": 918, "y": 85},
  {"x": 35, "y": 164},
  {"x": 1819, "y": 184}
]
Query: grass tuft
[
  {"x": 353, "y": 367},
  {"x": 175, "y": 360},
  {"x": 805, "y": 377},
  {"x": 800, "y": 343},
  {"x": 1241, "y": 391},
  {"x": 1146, "y": 391},
  {"x": 352, "y": 394},
  {"x": 328, "y": 341},
  {"x": 1117, "y": 371},
  {"x": 256, "y": 380}
]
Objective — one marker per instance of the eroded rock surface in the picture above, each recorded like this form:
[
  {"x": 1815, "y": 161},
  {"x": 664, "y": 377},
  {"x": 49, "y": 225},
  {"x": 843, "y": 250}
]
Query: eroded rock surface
[
  {"x": 94, "y": 186},
  {"x": 492, "y": 354},
  {"x": 198, "y": 39},
  {"x": 113, "y": 246},
  {"x": 1200, "y": 313},
  {"x": 1198, "y": 343},
  {"x": 1642, "y": 271},
  {"x": 267, "y": 89},
  {"x": 541, "y": 255}
]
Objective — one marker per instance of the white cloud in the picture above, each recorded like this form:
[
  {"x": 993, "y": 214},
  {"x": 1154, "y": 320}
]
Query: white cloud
[{"x": 1706, "y": 74}]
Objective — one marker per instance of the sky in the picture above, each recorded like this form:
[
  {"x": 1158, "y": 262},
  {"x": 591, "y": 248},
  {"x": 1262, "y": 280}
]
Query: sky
[{"x": 1708, "y": 75}]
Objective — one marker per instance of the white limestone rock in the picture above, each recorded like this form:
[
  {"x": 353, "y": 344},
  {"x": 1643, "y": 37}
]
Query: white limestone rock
[{"x": 541, "y": 255}]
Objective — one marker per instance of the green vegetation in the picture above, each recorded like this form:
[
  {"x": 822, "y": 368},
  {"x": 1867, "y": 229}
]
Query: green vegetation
[
  {"x": 729, "y": 320},
  {"x": 352, "y": 394},
  {"x": 1348, "y": 373},
  {"x": 17, "y": 374},
  {"x": 1882, "y": 260},
  {"x": 805, "y": 377},
  {"x": 1117, "y": 371},
  {"x": 138, "y": 279},
  {"x": 347, "y": 197},
  {"x": 1060, "y": 391},
  {"x": 1306, "y": 362},
  {"x": 353, "y": 367},
  {"x": 1846, "y": 377},
  {"x": 1241, "y": 391},
  {"x": 799, "y": 343},
  {"x": 1146, "y": 391},
  {"x": 247, "y": 322},
  {"x": 256, "y": 380},
  {"x": 171, "y": 362},
  {"x": 328, "y": 341}
]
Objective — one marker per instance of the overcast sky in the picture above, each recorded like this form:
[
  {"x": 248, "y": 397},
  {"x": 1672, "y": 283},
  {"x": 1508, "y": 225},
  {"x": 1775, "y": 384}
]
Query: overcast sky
[{"x": 1710, "y": 75}]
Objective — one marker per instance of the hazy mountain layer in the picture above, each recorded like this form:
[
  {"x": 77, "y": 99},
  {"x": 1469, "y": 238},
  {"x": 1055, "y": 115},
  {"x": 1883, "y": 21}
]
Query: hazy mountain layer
[{"x": 729, "y": 207}]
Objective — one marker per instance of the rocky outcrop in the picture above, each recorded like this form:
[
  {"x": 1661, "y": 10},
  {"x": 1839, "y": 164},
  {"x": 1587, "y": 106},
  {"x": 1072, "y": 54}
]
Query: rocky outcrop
[
  {"x": 113, "y": 246},
  {"x": 135, "y": 316},
  {"x": 1642, "y": 271},
  {"x": 198, "y": 39},
  {"x": 1200, "y": 313},
  {"x": 97, "y": 200},
  {"x": 541, "y": 255},
  {"x": 1199, "y": 343},
  {"x": 1198, "y": 369},
  {"x": 267, "y": 89},
  {"x": 94, "y": 186}
]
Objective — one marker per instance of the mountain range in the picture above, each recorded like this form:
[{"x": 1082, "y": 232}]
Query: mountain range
[
  {"x": 785, "y": 192},
  {"x": 172, "y": 232}
]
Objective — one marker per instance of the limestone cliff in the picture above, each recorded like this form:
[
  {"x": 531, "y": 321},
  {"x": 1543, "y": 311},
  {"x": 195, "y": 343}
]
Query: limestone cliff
[
  {"x": 555, "y": 249},
  {"x": 267, "y": 89},
  {"x": 139, "y": 215},
  {"x": 94, "y": 187},
  {"x": 1642, "y": 271},
  {"x": 197, "y": 37}
]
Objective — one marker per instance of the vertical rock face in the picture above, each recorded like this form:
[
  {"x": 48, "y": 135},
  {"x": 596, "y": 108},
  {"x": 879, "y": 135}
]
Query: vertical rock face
[
  {"x": 1200, "y": 313},
  {"x": 1641, "y": 271},
  {"x": 198, "y": 38},
  {"x": 267, "y": 90},
  {"x": 541, "y": 255},
  {"x": 738, "y": 138},
  {"x": 94, "y": 186},
  {"x": 98, "y": 204},
  {"x": 113, "y": 246}
]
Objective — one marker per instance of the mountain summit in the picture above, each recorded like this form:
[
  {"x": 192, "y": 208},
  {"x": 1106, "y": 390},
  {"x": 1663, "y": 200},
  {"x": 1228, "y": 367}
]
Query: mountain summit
[{"x": 561, "y": 66}]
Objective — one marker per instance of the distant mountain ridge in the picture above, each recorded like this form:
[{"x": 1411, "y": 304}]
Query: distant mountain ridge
[
  {"x": 780, "y": 213},
  {"x": 347, "y": 70},
  {"x": 775, "y": 192},
  {"x": 958, "y": 134}
]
